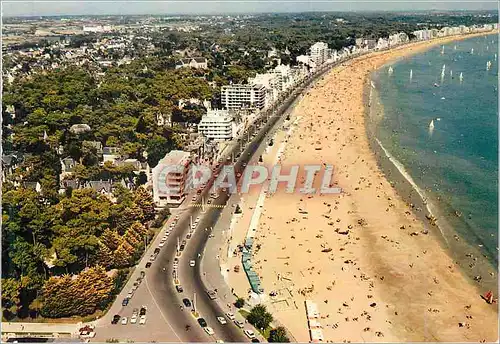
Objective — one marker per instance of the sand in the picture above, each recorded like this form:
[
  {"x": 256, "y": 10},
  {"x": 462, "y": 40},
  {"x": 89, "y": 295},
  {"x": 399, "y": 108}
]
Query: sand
[{"x": 378, "y": 282}]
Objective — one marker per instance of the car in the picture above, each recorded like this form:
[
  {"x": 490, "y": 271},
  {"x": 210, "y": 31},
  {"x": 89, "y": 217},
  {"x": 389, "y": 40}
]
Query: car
[
  {"x": 182, "y": 247},
  {"x": 188, "y": 236},
  {"x": 186, "y": 302},
  {"x": 148, "y": 265},
  {"x": 230, "y": 316},
  {"x": 179, "y": 288},
  {"x": 194, "y": 198},
  {"x": 130, "y": 293},
  {"x": 222, "y": 320},
  {"x": 125, "y": 301},
  {"x": 249, "y": 333},
  {"x": 209, "y": 331},
  {"x": 209, "y": 201},
  {"x": 135, "y": 311},
  {"x": 142, "y": 321},
  {"x": 211, "y": 294},
  {"x": 161, "y": 244},
  {"x": 124, "y": 320},
  {"x": 143, "y": 310},
  {"x": 192, "y": 263},
  {"x": 143, "y": 273},
  {"x": 202, "y": 322},
  {"x": 176, "y": 217},
  {"x": 239, "y": 323},
  {"x": 157, "y": 250},
  {"x": 133, "y": 319},
  {"x": 116, "y": 319},
  {"x": 255, "y": 340}
]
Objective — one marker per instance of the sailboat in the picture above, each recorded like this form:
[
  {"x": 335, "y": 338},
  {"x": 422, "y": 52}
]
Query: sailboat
[
  {"x": 461, "y": 77},
  {"x": 431, "y": 127},
  {"x": 488, "y": 65},
  {"x": 451, "y": 74},
  {"x": 472, "y": 51},
  {"x": 495, "y": 57},
  {"x": 442, "y": 50},
  {"x": 390, "y": 70},
  {"x": 455, "y": 47},
  {"x": 442, "y": 73},
  {"x": 411, "y": 74}
]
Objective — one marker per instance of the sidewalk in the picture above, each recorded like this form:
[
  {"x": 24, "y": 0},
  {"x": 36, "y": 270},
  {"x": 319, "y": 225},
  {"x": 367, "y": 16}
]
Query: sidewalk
[{"x": 54, "y": 329}]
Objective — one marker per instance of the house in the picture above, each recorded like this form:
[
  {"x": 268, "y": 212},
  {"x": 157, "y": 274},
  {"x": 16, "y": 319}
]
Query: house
[
  {"x": 33, "y": 186},
  {"x": 193, "y": 62},
  {"x": 67, "y": 165},
  {"x": 110, "y": 154},
  {"x": 9, "y": 164}
]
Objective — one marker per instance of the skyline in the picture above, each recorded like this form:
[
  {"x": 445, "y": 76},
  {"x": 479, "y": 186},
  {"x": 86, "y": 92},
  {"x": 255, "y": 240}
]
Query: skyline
[{"x": 15, "y": 8}]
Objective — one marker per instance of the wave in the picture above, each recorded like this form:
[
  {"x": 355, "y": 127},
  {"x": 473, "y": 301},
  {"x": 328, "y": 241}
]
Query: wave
[{"x": 401, "y": 168}]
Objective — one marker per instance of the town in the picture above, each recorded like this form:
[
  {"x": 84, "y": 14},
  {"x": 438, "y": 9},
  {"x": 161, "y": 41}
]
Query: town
[{"x": 96, "y": 112}]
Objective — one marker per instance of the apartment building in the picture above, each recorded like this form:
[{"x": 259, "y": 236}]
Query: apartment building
[
  {"x": 217, "y": 125},
  {"x": 319, "y": 53},
  {"x": 238, "y": 96},
  {"x": 171, "y": 178}
]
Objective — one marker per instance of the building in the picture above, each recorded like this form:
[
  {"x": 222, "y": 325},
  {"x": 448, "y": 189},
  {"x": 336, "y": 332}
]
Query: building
[
  {"x": 193, "y": 62},
  {"x": 171, "y": 178},
  {"x": 319, "y": 53},
  {"x": 217, "y": 125},
  {"x": 237, "y": 96}
]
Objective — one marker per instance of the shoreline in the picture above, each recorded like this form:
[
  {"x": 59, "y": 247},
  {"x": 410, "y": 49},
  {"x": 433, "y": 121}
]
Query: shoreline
[{"x": 364, "y": 249}]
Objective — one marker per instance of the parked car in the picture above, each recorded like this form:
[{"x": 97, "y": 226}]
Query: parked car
[
  {"x": 142, "y": 321},
  {"x": 249, "y": 333},
  {"x": 230, "y": 316},
  {"x": 162, "y": 243},
  {"x": 116, "y": 319},
  {"x": 239, "y": 323},
  {"x": 186, "y": 302},
  {"x": 148, "y": 265},
  {"x": 192, "y": 263},
  {"x": 143, "y": 310},
  {"x": 125, "y": 301},
  {"x": 255, "y": 340},
  {"x": 209, "y": 331},
  {"x": 157, "y": 250},
  {"x": 124, "y": 320},
  {"x": 222, "y": 320},
  {"x": 179, "y": 288},
  {"x": 133, "y": 319},
  {"x": 143, "y": 273},
  {"x": 202, "y": 322}
]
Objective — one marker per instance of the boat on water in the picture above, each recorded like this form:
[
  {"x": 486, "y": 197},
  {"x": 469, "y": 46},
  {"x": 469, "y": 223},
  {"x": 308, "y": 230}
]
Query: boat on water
[
  {"x": 461, "y": 77},
  {"x": 431, "y": 126},
  {"x": 442, "y": 50},
  {"x": 390, "y": 70}
]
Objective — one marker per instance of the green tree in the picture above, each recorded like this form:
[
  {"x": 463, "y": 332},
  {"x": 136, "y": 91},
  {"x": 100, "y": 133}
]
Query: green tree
[
  {"x": 240, "y": 302},
  {"x": 260, "y": 317},
  {"x": 144, "y": 200},
  {"x": 278, "y": 335}
]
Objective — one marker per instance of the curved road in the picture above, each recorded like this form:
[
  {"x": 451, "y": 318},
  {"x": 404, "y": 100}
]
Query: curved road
[{"x": 160, "y": 279}]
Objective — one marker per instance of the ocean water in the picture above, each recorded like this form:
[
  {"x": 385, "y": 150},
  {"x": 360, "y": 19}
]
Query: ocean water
[{"x": 454, "y": 164}]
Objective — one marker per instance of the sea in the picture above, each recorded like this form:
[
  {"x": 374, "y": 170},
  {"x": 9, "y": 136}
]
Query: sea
[{"x": 434, "y": 116}]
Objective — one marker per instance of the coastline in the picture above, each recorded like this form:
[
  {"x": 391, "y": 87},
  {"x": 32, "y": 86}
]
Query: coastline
[{"x": 411, "y": 281}]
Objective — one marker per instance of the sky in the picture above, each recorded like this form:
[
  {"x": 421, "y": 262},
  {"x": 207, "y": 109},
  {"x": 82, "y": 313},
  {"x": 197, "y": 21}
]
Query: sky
[{"x": 103, "y": 7}]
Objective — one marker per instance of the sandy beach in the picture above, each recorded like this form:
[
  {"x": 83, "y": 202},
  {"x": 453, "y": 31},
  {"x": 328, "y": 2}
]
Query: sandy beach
[{"x": 375, "y": 271}]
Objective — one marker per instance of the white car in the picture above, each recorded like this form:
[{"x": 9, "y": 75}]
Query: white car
[
  {"x": 222, "y": 320},
  {"x": 124, "y": 320},
  {"x": 230, "y": 316},
  {"x": 192, "y": 263},
  {"x": 209, "y": 331},
  {"x": 239, "y": 323},
  {"x": 143, "y": 320},
  {"x": 161, "y": 244},
  {"x": 250, "y": 334},
  {"x": 133, "y": 319},
  {"x": 193, "y": 226}
]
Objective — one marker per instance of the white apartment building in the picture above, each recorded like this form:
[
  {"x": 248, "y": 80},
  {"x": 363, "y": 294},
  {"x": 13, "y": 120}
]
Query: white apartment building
[
  {"x": 319, "y": 53},
  {"x": 237, "y": 96},
  {"x": 171, "y": 178},
  {"x": 217, "y": 125}
]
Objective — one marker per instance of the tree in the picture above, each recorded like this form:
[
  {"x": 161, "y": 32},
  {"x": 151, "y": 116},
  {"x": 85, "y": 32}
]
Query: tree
[
  {"x": 240, "y": 302},
  {"x": 278, "y": 335},
  {"x": 11, "y": 290},
  {"x": 260, "y": 317},
  {"x": 144, "y": 200}
]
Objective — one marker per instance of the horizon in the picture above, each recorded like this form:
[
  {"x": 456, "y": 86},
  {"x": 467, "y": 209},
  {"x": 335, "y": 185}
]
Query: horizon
[{"x": 15, "y": 8}]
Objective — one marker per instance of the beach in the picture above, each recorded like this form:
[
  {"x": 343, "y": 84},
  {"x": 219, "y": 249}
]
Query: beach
[{"x": 376, "y": 271}]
